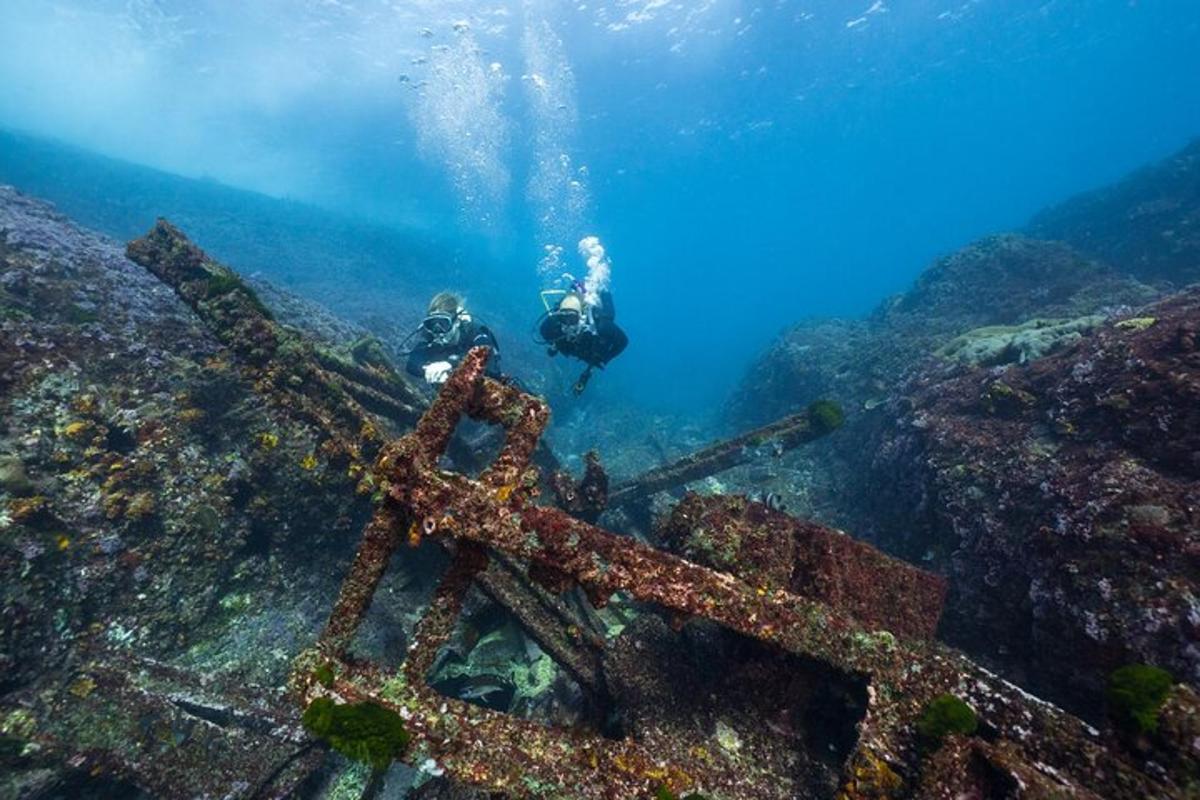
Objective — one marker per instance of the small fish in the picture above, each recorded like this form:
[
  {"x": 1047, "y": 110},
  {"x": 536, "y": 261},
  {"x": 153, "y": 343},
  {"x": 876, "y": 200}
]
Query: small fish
[
  {"x": 771, "y": 500},
  {"x": 479, "y": 692}
]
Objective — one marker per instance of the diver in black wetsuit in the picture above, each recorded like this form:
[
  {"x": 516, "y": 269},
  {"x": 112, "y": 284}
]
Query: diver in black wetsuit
[
  {"x": 584, "y": 331},
  {"x": 446, "y": 335}
]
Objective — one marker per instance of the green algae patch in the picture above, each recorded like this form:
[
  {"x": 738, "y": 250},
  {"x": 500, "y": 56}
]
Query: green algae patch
[
  {"x": 946, "y": 714},
  {"x": 826, "y": 415},
  {"x": 365, "y": 732},
  {"x": 1136, "y": 324},
  {"x": 324, "y": 675},
  {"x": 222, "y": 281},
  {"x": 1136, "y": 694},
  {"x": 868, "y": 644},
  {"x": 1000, "y": 399}
]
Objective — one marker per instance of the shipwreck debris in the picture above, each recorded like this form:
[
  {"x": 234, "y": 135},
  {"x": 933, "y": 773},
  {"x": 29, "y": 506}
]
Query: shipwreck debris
[
  {"x": 341, "y": 398},
  {"x": 112, "y": 712},
  {"x": 819, "y": 419},
  {"x": 586, "y": 498},
  {"x": 522, "y": 759},
  {"x": 493, "y": 529},
  {"x": 768, "y": 548}
]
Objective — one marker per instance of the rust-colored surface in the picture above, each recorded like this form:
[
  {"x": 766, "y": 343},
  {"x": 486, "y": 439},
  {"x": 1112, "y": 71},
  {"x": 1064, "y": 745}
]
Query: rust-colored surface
[
  {"x": 342, "y": 399},
  {"x": 771, "y": 549},
  {"x": 523, "y": 759}
]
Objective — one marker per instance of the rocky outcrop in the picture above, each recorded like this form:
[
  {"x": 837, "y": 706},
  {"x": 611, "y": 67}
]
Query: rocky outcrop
[
  {"x": 1002, "y": 280},
  {"x": 1062, "y": 499},
  {"x": 147, "y": 485},
  {"x": 814, "y": 359},
  {"x": 1148, "y": 225},
  {"x": 155, "y": 510}
]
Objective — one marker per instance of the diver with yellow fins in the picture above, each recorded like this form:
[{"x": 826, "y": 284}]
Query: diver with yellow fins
[{"x": 581, "y": 327}]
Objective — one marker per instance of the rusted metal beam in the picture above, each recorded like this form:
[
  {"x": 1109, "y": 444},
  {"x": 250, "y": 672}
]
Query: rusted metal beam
[
  {"x": 819, "y": 419},
  {"x": 348, "y": 402},
  {"x": 771, "y": 549},
  {"x": 281, "y": 365},
  {"x": 549, "y": 621}
]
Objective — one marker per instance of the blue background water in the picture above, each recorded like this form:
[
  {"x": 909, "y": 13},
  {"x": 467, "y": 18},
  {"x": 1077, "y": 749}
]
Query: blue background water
[{"x": 746, "y": 164}]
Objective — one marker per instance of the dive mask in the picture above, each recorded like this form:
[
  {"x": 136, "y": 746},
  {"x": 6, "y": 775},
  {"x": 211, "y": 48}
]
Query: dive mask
[
  {"x": 438, "y": 324},
  {"x": 568, "y": 317},
  {"x": 570, "y": 322}
]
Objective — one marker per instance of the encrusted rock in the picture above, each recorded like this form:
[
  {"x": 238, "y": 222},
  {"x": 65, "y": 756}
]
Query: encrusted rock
[{"x": 1062, "y": 498}]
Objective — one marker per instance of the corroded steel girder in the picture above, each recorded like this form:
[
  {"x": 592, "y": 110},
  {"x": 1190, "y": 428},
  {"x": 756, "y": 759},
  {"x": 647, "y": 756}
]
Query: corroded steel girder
[
  {"x": 768, "y": 548},
  {"x": 523, "y": 759},
  {"x": 342, "y": 399},
  {"x": 350, "y": 404},
  {"x": 817, "y": 420}
]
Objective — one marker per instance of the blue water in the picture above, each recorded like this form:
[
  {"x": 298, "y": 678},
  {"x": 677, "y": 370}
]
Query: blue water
[{"x": 745, "y": 164}]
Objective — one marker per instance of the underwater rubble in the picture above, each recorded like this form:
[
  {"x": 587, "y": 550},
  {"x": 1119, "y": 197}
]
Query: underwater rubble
[
  {"x": 164, "y": 730},
  {"x": 190, "y": 608},
  {"x": 1030, "y": 743}
]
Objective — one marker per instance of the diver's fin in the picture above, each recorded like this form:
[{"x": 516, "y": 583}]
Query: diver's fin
[{"x": 582, "y": 383}]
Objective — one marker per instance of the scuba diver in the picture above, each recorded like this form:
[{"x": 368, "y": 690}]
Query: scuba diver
[
  {"x": 447, "y": 333},
  {"x": 582, "y": 330}
]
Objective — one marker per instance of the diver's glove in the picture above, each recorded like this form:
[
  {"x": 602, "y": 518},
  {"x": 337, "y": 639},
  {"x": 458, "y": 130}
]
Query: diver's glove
[{"x": 437, "y": 372}]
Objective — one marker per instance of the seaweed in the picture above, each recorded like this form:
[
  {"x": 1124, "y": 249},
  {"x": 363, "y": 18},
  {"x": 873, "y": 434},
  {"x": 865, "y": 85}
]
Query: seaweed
[
  {"x": 324, "y": 675},
  {"x": 1136, "y": 694},
  {"x": 945, "y": 714},
  {"x": 365, "y": 732},
  {"x": 826, "y": 415},
  {"x": 664, "y": 793}
]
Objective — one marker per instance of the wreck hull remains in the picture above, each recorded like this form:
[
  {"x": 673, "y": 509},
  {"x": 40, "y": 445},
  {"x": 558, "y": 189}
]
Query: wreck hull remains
[{"x": 1029, "y": 741}]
